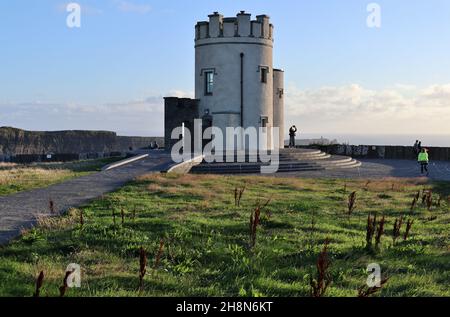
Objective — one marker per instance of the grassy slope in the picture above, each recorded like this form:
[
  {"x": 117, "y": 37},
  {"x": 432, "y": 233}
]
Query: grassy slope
[
  {"x": 15, "y": 178},
  {"x": 206, "y": 240}
]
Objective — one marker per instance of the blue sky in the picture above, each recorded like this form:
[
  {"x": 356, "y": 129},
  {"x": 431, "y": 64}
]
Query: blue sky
[{"x": 128, "y": 54}]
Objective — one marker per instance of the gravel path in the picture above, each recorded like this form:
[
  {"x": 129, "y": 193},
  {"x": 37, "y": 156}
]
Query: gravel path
[{"x": 19, "y": 211}]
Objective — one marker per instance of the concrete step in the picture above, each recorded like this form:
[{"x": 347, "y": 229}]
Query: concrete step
[
  {"x": 282, "y": 157},
  {"x": 290, "y": 160},
  {"x": 311, "y": 151},
  {"x": 253, "y": 169},
  {"x": 300, "y": 156},
  {"x": 352, "y": 164}
]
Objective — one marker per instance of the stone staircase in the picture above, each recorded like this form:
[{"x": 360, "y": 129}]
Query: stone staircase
[{"x": 290, "y": 160}]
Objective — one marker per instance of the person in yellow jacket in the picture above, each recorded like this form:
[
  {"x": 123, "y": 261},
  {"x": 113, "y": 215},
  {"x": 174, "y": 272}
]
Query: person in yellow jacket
[{"x": 423, "y": 161}]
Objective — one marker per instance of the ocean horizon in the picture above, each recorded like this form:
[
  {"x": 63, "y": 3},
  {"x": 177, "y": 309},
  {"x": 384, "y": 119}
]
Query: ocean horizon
[{"x": 391, "y": 139}]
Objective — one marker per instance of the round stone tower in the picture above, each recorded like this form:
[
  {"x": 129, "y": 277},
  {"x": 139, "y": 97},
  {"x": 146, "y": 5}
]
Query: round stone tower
[{"x": 234, "y": 74}]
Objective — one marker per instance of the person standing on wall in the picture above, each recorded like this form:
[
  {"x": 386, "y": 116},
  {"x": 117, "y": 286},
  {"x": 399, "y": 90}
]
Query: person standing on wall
[
  {"x": 292, "y": 134},
  {"x": 423, "y": 161},
  {"x": 416, "y": 148}
]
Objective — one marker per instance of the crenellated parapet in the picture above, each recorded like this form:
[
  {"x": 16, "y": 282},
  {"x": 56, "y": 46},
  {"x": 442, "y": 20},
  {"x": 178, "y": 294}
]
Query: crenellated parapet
[{"x": 234, "y": 27}]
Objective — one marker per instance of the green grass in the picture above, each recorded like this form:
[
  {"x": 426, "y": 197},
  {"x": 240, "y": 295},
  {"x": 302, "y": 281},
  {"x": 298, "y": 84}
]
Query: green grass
[
  {"x": 15, "y": 178},
  {"x": 206, "y": 250}
]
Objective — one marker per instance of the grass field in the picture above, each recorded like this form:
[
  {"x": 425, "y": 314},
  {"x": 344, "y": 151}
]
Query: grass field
[
  {"x": 206, "y": 244},
  {"x": 15, "y": 178}
]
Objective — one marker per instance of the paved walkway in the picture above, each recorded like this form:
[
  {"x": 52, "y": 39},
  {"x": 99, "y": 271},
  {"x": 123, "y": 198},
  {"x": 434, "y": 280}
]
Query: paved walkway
[
  {"x": 371, "y": 169},
  {"x": 19, "y": 211}
]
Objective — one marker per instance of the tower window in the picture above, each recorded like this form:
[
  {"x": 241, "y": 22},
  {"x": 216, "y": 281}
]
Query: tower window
[
  {"x": 280, "y": 92},
  {"x": 209, "y": 82},
  {"x": 264, "y": 72},
  {"x": 264, "y": 122}
]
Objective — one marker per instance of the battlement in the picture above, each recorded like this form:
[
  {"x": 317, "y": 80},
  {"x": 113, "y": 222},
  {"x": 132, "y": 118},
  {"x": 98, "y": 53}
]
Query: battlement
[{"x": 240, "y": 26}]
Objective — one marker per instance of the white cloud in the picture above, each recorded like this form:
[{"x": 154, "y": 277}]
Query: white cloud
[
  {"x": 128, "y": 6},
  {"x": 141, "y": 116},
  {"x": 328, "y": 110},
  {"x": 355, "y": 109}
]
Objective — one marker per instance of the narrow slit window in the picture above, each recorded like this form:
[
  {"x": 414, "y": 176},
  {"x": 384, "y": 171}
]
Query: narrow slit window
[
  {"x": 209, "y": 82},
  {"x": 264, "y": 72},
  {"x": 264, "y": 122}
]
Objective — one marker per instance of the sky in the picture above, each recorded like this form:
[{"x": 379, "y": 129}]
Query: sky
[{"x": 342, "y": 77}]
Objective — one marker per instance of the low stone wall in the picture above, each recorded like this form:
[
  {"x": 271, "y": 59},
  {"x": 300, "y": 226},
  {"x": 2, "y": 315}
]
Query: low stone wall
[
  {"x": 383, "y": 152},
  {"x": 61, "y": 157},
  {"x": 124, "y": 143}
]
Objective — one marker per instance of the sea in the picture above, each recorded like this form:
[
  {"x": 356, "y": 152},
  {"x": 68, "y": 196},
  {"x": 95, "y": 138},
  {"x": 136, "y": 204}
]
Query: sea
[{"x": 382, "y": 139}]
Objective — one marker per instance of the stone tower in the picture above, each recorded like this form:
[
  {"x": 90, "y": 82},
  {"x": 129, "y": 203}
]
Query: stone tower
[{"x": 235, "y": 82}]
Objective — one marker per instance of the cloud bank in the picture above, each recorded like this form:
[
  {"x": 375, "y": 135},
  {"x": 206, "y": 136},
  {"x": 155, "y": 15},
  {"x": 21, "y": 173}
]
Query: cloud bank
[{"x": 400, "y": 109}]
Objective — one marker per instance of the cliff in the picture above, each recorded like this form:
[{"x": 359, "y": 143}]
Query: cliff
[{"x": 16, "y": 141}]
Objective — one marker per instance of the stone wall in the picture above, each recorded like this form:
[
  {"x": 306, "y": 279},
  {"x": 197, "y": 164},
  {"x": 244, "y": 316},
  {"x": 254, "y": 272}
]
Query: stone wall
[
  {"x": 123, "y": 143},
  {"x": 384, "y": 152}
]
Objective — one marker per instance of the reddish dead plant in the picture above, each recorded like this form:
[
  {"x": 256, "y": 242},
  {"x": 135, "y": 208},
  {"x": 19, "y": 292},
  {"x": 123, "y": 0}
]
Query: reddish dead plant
[
  {"x": 320, "y": 285},
  {"x": 413, "y": 204},
  {"x": 439, "y": 201},
  {"x": 63, "y": 288},
  {"x": 255, "y": 219},
  {"x": 365, "y": 291},
  {"x": 424, "y": 195},
  {"x": 417, "y": 195},
  {"x": 380, "y": 232},
  {"x": 254, "y": 222},
  {"x": 409, "y": 224},
  {"x": 114, "y": 216},
  {"x": 396, "y": 230},
  {"x": 238, "y": 192},
  {"x": 133, "y": 214},
  {"x": 370, "y": 230},
  {"x": 366, "y": 186},
  {"x": 39, "y": 282},
  {"x": 122, "y": 215},
  {"x": 429, "y": 200},
  {"x": 351, "y": 203},
  {"x": 158, "y": 255},
  {"x": 424, "y": 198},
  {"x": 51, "y": 206},
  {"x": 313, "y": 221},
  {"x": 142, "y": 267},
  {"x": 81, "y": 218}
]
